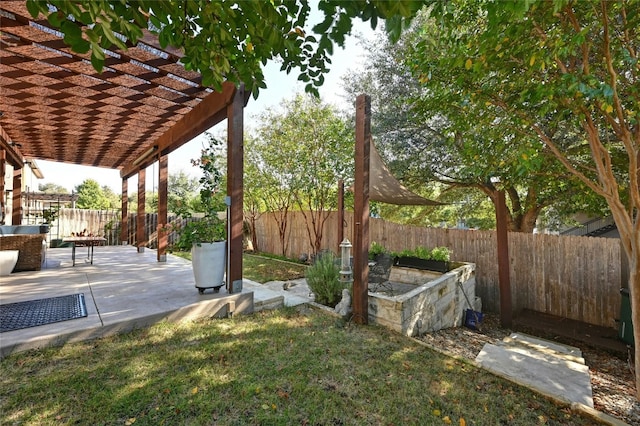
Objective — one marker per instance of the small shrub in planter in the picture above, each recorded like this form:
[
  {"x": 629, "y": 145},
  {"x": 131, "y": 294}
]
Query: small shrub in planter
[
  {"x": 323, "y": 278},
  {"x": 376, "y": 249},
  {"x": 436, "y": 259}
]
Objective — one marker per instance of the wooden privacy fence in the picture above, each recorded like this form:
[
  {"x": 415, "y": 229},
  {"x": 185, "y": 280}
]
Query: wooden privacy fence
[
  {"x": 107, "y": 223},
  {"x": 96, "y": 222},
  {"x": 572, "y": 277}
]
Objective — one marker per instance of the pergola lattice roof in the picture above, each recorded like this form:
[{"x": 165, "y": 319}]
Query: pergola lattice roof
[{"x": 56, "y": 107}]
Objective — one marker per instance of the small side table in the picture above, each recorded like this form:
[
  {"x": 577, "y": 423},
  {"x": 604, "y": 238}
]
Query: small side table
[{"x": 89, "y": 242}]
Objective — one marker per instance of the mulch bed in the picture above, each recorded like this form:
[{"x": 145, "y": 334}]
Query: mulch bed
[{"x": 610, "y": 367}]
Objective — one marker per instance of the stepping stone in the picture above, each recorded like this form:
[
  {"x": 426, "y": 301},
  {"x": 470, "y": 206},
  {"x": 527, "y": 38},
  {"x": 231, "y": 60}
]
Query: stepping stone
[
  {"x": 546, "y": 346},
  {"x": 547, "y": 367}
]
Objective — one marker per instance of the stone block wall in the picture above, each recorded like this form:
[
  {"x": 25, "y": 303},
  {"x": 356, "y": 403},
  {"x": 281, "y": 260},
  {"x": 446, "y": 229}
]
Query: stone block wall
[{"x": 437, "y": 302}]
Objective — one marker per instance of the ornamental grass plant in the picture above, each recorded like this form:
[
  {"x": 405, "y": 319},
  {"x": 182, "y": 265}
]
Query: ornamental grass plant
[{"x": 323, "y": 278}]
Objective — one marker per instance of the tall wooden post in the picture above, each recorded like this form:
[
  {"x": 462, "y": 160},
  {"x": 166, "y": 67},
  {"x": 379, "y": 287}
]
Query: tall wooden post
[
  {"x": 163, "y": 194},
  {"x": 235, "y": 170},
  {"x": 16, "y": 202},
  {"x": 361, "y": 211},
  {"x": 503, "y": 261},
  {"x": 340, "y": 213},
  {"x": 124, "y": 229},
  {"x": 141, "y": 241},
  {"x": 3, "y": 207}
]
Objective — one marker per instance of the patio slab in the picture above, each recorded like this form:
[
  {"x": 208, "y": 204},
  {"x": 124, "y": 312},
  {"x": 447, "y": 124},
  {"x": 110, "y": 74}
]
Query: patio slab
[{"x": 123, "y": 290}]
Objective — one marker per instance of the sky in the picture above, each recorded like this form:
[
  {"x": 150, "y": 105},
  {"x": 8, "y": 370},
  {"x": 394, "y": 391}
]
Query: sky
[{"x": 279, "y": 86}]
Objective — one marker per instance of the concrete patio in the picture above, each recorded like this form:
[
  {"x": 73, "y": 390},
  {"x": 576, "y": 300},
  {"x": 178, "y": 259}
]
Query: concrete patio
[{"x": 123, "y": 290}]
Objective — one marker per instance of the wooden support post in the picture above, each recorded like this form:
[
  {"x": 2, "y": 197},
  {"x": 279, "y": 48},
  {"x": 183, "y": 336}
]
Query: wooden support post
[
  {"x": 3, "y": 170},
  {"x": 141, "y": 241},
  {"x": 163, "y": 193},
  {"x": 361, "y": 211},
  {"x": 16, "y": 202},
  {"x": 503, "y": 261},
  {"x": 340, "y": 213},
  {"x": 235, "y": 170},
  {"x": 124, "y": 229}
]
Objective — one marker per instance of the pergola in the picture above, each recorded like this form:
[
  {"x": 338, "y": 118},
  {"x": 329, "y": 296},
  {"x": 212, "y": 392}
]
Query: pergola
[{"x": 141, "y": 107}]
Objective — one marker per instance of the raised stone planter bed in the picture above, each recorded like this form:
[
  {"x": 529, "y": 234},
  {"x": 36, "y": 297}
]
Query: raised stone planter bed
[{"x": 436, "y": 301}]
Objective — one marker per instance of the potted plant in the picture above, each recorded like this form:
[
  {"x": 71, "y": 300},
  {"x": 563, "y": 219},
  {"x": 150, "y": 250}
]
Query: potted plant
[
  {"x": 436, "y": 259},
  {"x": 206, "y": 236}
]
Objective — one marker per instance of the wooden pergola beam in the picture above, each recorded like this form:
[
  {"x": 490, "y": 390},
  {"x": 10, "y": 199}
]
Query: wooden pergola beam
[
  {"x": 163, "y": 196},
  {"x": 141, "y": 243},
  {"x": 209, "y": 112}
]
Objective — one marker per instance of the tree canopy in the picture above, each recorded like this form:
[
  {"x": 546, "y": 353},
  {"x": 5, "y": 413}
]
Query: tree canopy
[
  {"x": 92, "y": 196},
  {"x": 564, "y": 75},
  {"x": 224, "y": 40},
  {"x": 52, "y": 188},
  {"x": 432, "y": 141},
  {"x": 300, "y": 152}
]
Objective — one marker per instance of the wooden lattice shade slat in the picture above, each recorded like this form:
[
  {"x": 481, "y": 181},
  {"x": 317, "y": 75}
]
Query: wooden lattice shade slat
[{"x": 56, "y": 107}]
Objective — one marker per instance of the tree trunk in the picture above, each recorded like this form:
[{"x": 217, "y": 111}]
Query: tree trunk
[{"x": 634, "y": 295}]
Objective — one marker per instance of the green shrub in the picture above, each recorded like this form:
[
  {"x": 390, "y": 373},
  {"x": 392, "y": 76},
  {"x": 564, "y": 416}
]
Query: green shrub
[
  {"x": 376, "y": 249},
  {"x": 437, "y": 253},
  {"x": 323, "y": 278},
  {"x": 441, "y": 253}
]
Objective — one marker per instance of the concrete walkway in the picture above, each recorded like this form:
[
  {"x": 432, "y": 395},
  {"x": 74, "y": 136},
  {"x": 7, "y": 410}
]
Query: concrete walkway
[{"x": 550, "y": 368}]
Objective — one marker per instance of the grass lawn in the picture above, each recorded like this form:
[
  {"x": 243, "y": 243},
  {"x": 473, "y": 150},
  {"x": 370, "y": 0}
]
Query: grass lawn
[
  {"x": 263, "y": 269},
  {"x": 270, "y": 368}
]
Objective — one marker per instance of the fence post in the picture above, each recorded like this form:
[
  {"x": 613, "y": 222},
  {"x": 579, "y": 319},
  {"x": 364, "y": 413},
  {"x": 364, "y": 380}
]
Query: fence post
[{"x": 503, "y": 260}]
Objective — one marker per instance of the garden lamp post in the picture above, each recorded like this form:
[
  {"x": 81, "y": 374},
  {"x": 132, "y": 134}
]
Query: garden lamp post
[{"x": 346, "y": 274}]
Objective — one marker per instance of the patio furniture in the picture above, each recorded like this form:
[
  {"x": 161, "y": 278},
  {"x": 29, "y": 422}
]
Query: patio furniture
[
  {"x": 88, "y": 242},
  {"x": 31, "y": 250}
]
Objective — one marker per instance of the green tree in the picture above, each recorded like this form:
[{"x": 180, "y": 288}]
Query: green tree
[
  {"x": 223, "y": 40},
  {"x": 433, "y": 142},
  {"x": 112, "y": 199},
  {"x": 52, "y": 188},
  {"x": 182, "y": 192},
  {"x": 306, "y": 147},
  {"x": 254, "y": 191},
  {"x": 91, "y": 196},
  {"x": 562, "y": 74},
  {"x": 266, "y": 187}
]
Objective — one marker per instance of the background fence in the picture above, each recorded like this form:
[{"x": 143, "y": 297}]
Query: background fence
[
  {"x": 107, "y": 223},
  {"x": 569, "y": 276}
]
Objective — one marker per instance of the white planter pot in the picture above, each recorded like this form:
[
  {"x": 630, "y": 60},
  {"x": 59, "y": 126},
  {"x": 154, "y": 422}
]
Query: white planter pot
[
  {"x": 209, "y": 261},
  {"x": 8, "y": 260}
]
